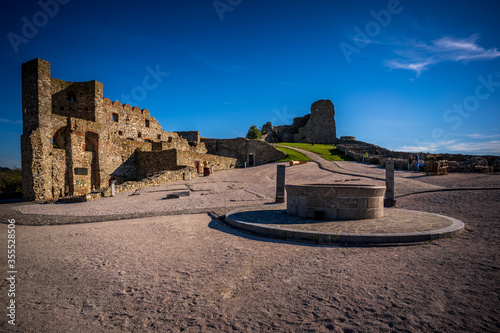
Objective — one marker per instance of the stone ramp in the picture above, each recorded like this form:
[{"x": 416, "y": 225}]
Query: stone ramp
[{"x": 403, "y": 186}]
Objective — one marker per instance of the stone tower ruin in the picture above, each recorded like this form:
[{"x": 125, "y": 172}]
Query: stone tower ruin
[{"x": 318, "y": 126}]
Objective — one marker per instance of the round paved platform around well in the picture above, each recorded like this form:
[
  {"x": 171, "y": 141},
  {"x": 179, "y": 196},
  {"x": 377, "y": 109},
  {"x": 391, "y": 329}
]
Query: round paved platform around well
[{"x": 397, "y": 226}]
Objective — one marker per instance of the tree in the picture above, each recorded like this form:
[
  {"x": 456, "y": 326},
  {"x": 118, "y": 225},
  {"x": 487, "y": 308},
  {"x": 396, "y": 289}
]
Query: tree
[{"x": 254, "y": 133}]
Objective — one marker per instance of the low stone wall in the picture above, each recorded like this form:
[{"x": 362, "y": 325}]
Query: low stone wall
[
  {"x": 206, "y": 160},
  {"x": 240, "y": 148},
  {"x": 150, "y": 162},
  {"x": 335, "y": 202},
  {"x": 159, "y": 178}
]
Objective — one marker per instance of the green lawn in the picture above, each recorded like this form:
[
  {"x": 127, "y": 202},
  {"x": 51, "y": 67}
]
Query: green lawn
[
  {"x": 292, "y": 155},
  {"x": 328, "y": 152}
]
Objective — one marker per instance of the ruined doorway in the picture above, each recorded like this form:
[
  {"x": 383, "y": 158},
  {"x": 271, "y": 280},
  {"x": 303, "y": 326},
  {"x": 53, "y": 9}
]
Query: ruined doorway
[
  {"x": 60, "y": 158},
  {"x": 92, "y": 145},
  {"x": 198, "y": 166},
  {"x": 251, "y": 159}
]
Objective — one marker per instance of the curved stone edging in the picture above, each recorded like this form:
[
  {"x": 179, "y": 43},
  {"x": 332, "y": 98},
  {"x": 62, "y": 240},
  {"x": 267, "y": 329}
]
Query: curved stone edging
[{"x": 318, "y": 237}]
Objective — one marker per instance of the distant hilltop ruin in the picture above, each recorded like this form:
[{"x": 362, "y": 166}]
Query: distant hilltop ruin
[
  {"x": 75, "y": 142},
  {"x": 317, "y": 127}
]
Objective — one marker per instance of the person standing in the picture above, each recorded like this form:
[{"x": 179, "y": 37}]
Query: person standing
[
  {"x": 365, "y": 157},
  {"x": 416, "y": 162}
]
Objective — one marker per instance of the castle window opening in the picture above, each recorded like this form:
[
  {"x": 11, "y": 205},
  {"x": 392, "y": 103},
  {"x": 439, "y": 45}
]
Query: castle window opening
[
  {"x": 115, "y": 117},
  {"x": 72, "y": 97},
  {"x": 91, "y": 141},
  {"x": 59, "y": 139},
  {"x": 120, "y": 133},
  {"x": 139, "y": 135},
  {"x": 159, "y": 136},
  {"x": 146, "y": 123}
]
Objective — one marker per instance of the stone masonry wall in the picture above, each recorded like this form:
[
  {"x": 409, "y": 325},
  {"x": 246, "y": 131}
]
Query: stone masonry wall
[
  {"x": 206, "y": 160},
  {"x": 318, "y": 126},
  {"x": 75, "y": 141},
  {"x": 240, "y": 149},
  {"x": 149, "y": 163}
]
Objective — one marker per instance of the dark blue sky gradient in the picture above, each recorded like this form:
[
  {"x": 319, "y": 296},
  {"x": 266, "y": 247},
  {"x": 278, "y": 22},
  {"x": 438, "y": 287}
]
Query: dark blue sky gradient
[{"x": 270, "y": 60}]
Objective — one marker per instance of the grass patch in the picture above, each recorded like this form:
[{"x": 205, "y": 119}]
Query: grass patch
[
  {"x": 328, "y": 152},
  {"x": 292, "y": 155}
]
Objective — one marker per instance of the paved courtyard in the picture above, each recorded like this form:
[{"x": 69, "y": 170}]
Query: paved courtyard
[{"x": 155, "y": 265}]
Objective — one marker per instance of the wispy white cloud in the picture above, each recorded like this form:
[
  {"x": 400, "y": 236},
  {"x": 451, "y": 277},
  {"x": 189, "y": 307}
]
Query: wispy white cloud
[
  {"x": 9, "y": 121},
  {"x": 415, "y": 66},
  {"x": 483, "y": 136},
  {"x": 474, "y": 147},
  {"x": 415, "y": 149},
  {"x": 420, "y": 55},
  {"x": 431, "y": 147},
  {"x": 488, "y": 147}
]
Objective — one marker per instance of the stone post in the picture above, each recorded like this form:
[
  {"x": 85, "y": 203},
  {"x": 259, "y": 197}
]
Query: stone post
[
  {"x": 389, "y": 184},
  {"x": 113, "y": 182},
  {"x": 280, "y": 183}
]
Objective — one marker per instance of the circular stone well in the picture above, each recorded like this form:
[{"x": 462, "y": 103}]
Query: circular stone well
[{"x": 335, "y": 202}]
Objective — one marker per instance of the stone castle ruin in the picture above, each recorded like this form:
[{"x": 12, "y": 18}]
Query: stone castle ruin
[
  {"x": 317, "y": 127},
  {"x": 75, "y": 141}
]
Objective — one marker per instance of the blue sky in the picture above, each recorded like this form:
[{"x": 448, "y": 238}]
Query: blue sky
[{"x": 406, "y": 75}]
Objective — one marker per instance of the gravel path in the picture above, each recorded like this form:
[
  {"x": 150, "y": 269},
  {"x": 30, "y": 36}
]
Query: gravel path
[
  {"x": 191, "y": 273},
  {"x": 229, "y": 188},
  {"x": 403, "y": 185}
]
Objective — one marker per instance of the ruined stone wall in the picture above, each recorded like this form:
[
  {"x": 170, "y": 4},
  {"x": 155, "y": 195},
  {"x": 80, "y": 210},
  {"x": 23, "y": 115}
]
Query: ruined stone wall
[
  {"x": 75, "y": 99},
  {"x": 75, "y": 141},
  {"x": 149, "y": 163},
  {"x": 180, "y": 143},
  {"x": 240, "y": 149},
  {"x": 191, "y": 136},
  {"x": 318, "y": 126},
  {"x": 36, "y": 139},
  {"x": 159, "y": 178},
  {"x": 206, "y": 160},
  {"x": 121, "y": 164}
]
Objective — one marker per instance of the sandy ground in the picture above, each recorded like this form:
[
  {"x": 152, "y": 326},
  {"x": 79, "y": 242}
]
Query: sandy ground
[
  {"x": 231, "y": 188},
  {"x": 191, "y": 273}
]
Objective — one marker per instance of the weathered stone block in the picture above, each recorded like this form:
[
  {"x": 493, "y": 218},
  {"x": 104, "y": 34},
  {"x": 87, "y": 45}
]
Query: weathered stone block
[
  {"x": 347, "y": 214},
  {"x": 315, "y": 202}
]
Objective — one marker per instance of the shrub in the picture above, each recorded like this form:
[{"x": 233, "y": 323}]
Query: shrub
[{"x": 11, "y": 181}]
